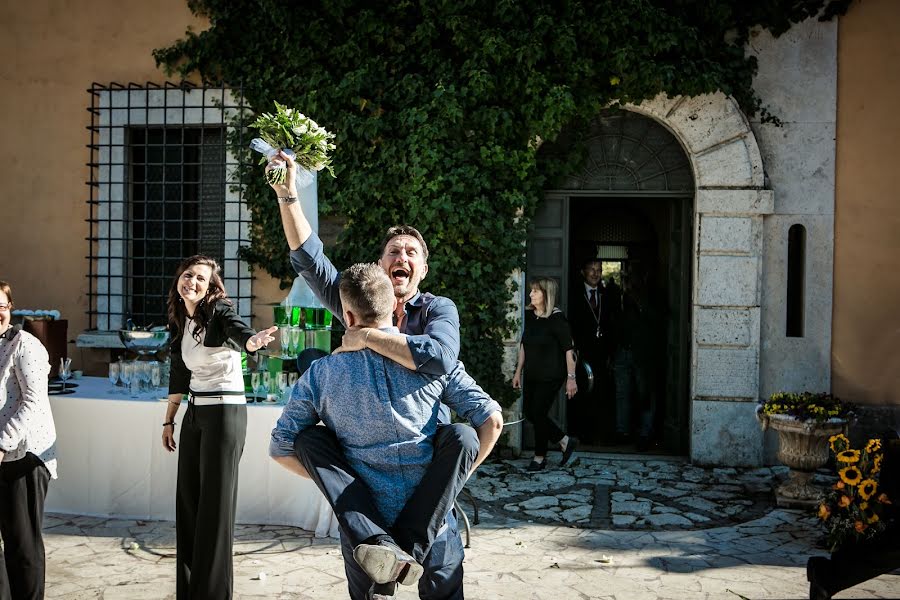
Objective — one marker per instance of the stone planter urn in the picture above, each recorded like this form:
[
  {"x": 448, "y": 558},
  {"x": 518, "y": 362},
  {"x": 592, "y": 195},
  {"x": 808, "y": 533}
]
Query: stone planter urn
[{"x": 803, "y": 447}]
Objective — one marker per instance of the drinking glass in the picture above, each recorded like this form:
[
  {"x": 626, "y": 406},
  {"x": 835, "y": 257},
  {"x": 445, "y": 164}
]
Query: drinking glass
[
  {"x": 292, "y": 379},
  {"x": 282, "y": 316},
  {"x": 65, "y": 371},
  {"x": 296, "y": 337},
  {"x": 126, "y": 372},
  {"x": 254, "y": 384},
  {"x": 113, "y": 375},
  {"x": 282, "y": 385},
  {"x": 266, "y": 384},
  {"x": 155, "y": 375},
  {"x": 284, "y": 340},
  {"x": 143, "y": 370},
  {"x": 135, "y": 381}
]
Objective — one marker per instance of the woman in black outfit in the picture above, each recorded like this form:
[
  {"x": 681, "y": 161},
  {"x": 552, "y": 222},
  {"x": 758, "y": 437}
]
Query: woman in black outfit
[
  {"x": 208, "y": 337},
  {"x": 547, "y": 359}
]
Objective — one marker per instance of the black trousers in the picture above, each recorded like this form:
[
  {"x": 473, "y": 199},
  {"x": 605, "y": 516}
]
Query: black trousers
[
  {"x": 209, "y": 451},
  {"x": 455, "y": 450},
  {"x": 23, "y": 488},
  {"x": 538, "y": 397},
  {"x": 857, "y": 564}
]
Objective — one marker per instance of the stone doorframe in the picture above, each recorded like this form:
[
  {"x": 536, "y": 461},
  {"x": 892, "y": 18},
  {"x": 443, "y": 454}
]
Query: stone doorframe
[{"x": 727, "y": 260}]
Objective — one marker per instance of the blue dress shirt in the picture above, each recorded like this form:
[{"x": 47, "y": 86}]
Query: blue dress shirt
[
  {"x": 432, "y": 322},
  {"x": 384, "y": 415}
]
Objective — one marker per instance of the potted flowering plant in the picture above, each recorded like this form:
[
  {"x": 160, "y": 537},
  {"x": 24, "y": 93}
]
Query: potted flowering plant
[
  {"x": 853, "y": 508},
  {"x": 291, "y": 131},
  {"x": 804, "y": 422}
]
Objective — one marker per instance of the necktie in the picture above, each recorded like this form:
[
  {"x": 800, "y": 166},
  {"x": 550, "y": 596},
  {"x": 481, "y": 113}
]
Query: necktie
[{"x": 593, "y": 301}]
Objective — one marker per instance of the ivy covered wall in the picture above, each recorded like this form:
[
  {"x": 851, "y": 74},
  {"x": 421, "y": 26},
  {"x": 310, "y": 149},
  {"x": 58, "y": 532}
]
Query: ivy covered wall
[{"x": 441, "y": 107}]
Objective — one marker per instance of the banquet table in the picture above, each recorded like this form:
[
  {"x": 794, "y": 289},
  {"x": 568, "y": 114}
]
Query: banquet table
[{"x": 111, "y": 463}]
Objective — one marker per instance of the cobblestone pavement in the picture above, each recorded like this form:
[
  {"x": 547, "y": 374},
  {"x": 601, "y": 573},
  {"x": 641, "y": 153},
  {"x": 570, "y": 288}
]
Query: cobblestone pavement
[
  {"x": 587, "y": 531},
  {"x": 609, "y": 492}
]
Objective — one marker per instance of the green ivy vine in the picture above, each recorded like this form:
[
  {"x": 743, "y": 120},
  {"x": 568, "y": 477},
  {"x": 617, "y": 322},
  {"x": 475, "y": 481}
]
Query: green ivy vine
[{"x": 440, "y": 107}]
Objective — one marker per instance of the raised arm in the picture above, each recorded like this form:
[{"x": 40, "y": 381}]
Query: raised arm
[{"x": 296, "y": 226}]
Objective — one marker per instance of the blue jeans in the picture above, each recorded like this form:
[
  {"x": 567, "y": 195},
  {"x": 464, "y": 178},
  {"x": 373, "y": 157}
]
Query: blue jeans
[{"x": 443, "y": 576}]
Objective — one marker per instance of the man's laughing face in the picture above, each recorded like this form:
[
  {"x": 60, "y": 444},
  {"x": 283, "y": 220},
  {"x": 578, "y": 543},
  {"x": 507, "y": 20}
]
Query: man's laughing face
[{"x": 404, "y": 262}]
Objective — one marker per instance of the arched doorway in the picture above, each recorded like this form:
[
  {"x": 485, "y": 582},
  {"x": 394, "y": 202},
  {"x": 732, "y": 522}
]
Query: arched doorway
[
  {"x": 629, "y": 211},
  {"x": 726, "y": 242}
]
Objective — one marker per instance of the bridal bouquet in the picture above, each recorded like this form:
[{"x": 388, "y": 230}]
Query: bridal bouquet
[{"x": 298, "y": 136}]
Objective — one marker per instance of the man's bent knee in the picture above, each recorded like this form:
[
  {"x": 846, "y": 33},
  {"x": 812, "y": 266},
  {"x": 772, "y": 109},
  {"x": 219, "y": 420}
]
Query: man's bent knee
[
  {"x": 458, "y": 437},
  {"x": 313, "y": 438}
]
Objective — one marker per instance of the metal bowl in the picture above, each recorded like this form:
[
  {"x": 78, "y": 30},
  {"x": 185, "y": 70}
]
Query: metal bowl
[{"x": 144, "y": 342}]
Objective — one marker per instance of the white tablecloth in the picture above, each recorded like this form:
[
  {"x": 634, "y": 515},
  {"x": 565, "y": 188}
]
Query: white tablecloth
[{"x": 112, "y": 463}]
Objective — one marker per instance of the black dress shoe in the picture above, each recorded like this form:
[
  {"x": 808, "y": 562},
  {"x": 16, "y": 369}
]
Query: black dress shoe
[
  {"x": 535, "y": 465},
  {"x": 386, "y": 562},
  {"x": 382, "y": 591},
  {"x": 816, "y": 567},
  {"x": 569, "y": 451}
]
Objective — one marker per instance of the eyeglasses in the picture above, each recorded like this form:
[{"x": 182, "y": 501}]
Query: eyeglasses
[{"x": 5, "y": 306}]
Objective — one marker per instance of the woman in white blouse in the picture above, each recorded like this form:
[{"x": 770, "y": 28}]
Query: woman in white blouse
[
  {"x": 27, "y": 456},
  {"x": 207, "y": 339}
]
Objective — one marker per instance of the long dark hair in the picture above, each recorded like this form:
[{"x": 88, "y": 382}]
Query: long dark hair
[{"x": 203, "y": 312}]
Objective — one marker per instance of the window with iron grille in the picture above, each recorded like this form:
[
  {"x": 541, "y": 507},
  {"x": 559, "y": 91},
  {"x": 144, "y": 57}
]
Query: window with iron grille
[{"x": 163, "y": 187}]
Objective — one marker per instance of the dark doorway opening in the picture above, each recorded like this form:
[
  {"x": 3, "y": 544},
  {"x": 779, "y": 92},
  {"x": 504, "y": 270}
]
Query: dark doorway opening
[
  {"x": 629, "y": 204},
  {"x": 638, "y": 347}
]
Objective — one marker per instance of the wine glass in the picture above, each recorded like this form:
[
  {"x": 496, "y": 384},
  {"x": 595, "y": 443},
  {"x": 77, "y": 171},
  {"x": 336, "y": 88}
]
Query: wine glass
[
  {"x": 266, "y": 384},
  {"x": 254, "y": 383},
  {"x": 113, "y": 375},
  {"x": 295, "y": 339},
  {"x": 155, "y": 375},
  {"x": 143, "y": 373},
  {"x": 292, "y": 378},
  {"x": 65, "y": 371},
  {"x": 282, "y": 385},
  {"x": 284, "y": 339},
  {"x": 126, "y": 373}
]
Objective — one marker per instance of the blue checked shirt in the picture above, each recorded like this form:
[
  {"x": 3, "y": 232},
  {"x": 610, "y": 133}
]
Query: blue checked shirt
[
  {"x": 432, "y": 322},
  {"x": 384, "y": 415}
]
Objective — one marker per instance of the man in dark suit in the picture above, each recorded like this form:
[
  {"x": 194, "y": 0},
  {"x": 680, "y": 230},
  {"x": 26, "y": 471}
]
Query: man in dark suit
[{"x": 590, "y": 311}]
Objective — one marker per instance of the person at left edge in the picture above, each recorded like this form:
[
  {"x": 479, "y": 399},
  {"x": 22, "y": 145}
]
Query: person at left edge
[
  {"x": 208, "y": 337},
  {"x": 27, "y": 456}
]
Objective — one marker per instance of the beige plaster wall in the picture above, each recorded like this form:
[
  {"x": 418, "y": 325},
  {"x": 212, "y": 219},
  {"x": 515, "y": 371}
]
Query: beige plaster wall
[
  {"x": 866, "y": 320},
  {"x": 52, "y": 51}
]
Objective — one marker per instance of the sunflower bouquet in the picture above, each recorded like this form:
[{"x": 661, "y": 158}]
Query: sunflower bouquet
[
  {"x": 300, "y": 137},
  {"x": 852, "y": 510}
]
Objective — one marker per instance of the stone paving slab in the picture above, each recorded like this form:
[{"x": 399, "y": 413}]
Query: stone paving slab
[{"x": 561, "y": 554}]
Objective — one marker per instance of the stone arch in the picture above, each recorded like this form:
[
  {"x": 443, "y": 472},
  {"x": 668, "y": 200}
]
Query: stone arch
[{"x": 730, "y": 204}]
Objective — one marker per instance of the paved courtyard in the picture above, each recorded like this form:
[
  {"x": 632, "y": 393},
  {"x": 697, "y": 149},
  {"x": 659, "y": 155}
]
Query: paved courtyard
[{"x": 604, "y": 527}]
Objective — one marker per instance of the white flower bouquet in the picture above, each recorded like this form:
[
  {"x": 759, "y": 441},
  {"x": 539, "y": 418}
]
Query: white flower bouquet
[{"x": 296, "y": 135}]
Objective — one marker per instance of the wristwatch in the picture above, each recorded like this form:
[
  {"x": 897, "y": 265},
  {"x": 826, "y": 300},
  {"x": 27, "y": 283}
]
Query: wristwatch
[{"x": 570, "y": 375}]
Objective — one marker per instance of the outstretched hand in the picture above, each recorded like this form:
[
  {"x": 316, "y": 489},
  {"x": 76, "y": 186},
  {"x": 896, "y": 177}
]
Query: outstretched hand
[
  {"x": 261, "y": 339},
  {"x": 288, "y": 188}
]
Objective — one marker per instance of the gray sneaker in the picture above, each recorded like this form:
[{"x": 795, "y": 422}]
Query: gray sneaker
[{"x": 385, "y": 562}]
